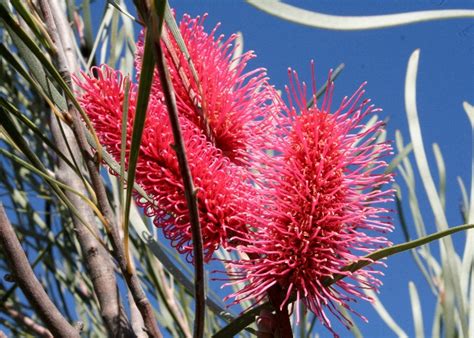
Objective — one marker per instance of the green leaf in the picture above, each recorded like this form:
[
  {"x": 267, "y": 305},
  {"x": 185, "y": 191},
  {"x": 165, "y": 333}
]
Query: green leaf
[
  {"x": 37, "y": 131},
  {"x": 470, "y": 114},
  {"x": 402, "y": 154},
  {"x": 441, "y": 173},
  {"x": 467, "y": 272},
  {"x": 144, "y": 87},
  {"x": 416, "y": 310},
  {"x": 32, "y": 23},
  {"x": 123, "y": 144},
  {"x": 326, "y": 21},
  {"x": 37, "y": 167},
  {"x": 448, "y": 253},
  {"x": 101, "y": 35},
  {"x": 42, "y": 67},
  {"x": 383, "y": 313}
]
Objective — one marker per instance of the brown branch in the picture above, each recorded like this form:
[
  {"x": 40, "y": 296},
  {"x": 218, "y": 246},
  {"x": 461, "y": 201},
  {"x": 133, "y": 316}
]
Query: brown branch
[
  {"x": 98, "y": 263},
  {"x": 276, "y": 296},
  {"x": 189, "y": 190},
  {"x": 266, "y": 324},
  {"x": 131, "y": 278},
  {"x": 282, "y": 318},
  {"x": 26, "y": 321},
  {"x": 29, "y": 284}
]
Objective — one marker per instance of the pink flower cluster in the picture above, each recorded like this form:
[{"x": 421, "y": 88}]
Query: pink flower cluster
[{"x": 300, "y": 215}]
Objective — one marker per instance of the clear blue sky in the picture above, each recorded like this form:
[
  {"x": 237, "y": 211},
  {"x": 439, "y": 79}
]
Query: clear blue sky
[{"x": 445, "y": 80}]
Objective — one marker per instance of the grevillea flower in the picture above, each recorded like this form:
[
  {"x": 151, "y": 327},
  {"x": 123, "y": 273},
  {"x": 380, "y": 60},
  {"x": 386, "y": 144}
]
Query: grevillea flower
[
  {"x": 233, "y": 108},
  {"x": 225, "y": 117},
  {"x": 325, "y": 204},
  {"x": 224, "y": 196}
]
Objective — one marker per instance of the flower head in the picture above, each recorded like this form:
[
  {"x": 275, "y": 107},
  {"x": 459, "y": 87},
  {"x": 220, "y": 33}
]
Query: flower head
[
  {"x": 325, "y": 202},
  {"x": 233, "y": 107},
  {"x": 224, "y": 195},
  {"x": 225, "y": 116}
]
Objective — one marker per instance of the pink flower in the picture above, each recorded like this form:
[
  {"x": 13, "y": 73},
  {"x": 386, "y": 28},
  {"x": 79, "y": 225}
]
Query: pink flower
[
  {"x": 224, "y": 196},
  {"x": 233, "y": 107},
  {"x": 325, "y": 206}
]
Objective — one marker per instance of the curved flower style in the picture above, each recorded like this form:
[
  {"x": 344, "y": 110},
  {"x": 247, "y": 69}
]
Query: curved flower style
[
  {"x": 233, "y": 108},
  {"x": 224, "y": 196},
  {"x": 325, "y": 198}
]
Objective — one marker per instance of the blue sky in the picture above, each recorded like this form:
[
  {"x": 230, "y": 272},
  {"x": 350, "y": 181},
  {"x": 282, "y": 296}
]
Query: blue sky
[{"x": 445, "y": 80}]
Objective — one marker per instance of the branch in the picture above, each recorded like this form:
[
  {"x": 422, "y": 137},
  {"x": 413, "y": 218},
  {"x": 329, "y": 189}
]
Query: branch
[
  {"x": 131, "y": 278},
  {"x": 29, "y": 284},
  {"x": 98, "y": 263},
  {"x": 26, "y": 321}
]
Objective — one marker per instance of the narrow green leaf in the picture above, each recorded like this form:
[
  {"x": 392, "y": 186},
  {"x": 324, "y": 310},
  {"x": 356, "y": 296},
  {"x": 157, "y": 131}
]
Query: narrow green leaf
[
  {"x": 441, "y": 174},
  {"x": 110, "y": 161},
  {"x": 239, "y": 47},
  {"x": 50, "y": 93},
  {"x": 400, "y": 213},
  {"x": 54, "y": 94},
  {"x": 468, "y": 258},
  {"x": 464, "y": 200},
  {"x": 175, "y": 31},
  {"x": 32, "y": 23},
  {"x": 115, "y": 43},
  {"x": 437, "y": 319},
  {"x": 44, "y": 174},
  {"x": 353, "y": 328},
  {"x": 86, "y": 15},
  {"x": 123, "y": 145},
  {"x": 37, "y": 131},
  {"x": 144, "y": 87},
  {"x": 415, "y": 253},
  {"x": 449, "y": 254},
  {"x": 101, "y": 35},
  {"x": 152, "y": 272},
  {"x": 326, "y": 21},
  {"x": 38, "y": 167},
  {"x": 470, "y": 114},
  {"x": 384, "y": 314},
  {"x": 402, "y": 154},
  {"x": 37, "y": 59},
  {"x": 416, "y": 310},
  {"x": 123, "y": 11},
  {"x": 417, "y": 140}
]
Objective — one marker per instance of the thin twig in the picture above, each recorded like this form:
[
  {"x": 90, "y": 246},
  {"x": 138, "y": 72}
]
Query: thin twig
[
  {"x": 189, "y": 189},
  {"x": 131, "y": 277},
  {"x": 26, "y": 321},
  {"x": 29, "y": 284},
  {"x": 171, "y": 300}
]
